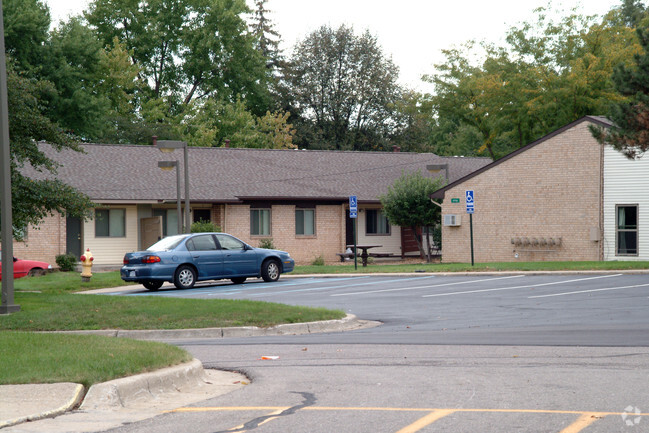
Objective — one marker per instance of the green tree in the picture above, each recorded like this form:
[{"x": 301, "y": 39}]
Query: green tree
[
  {"x": 211, "y": 123},
  {"x": 187, "y": 49},
  {"x": 267, "y": 38},
  {"x": 407, "y": 203},
  {"x": 629, "y": 133},
  {"x": 34, "y": 198},
  {"x": 548, "y": 74},
  {"x": 26, "y": 23},
  {"x": 344, "y": 88},
  {"x": 74, "y": 66}
]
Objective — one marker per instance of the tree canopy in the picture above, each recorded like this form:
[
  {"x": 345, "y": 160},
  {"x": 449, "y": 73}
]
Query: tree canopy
[
  {"x": 32, "y": 200},
  {"x": 549, "y": 73},
  {"x": 342, "y": 87},
  {"x": 186, "y": 49},
  {"x": 629, "y": 133}
]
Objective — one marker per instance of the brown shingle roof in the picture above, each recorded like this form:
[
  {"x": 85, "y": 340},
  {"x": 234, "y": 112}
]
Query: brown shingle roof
[{"x": 130, "y": 173}]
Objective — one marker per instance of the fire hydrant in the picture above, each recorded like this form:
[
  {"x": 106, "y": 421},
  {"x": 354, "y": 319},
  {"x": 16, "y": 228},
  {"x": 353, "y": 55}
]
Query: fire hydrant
[{"x": 86, "y": 266}]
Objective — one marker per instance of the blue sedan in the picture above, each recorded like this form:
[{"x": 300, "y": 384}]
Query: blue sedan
[{"x": 188, "y": 258}]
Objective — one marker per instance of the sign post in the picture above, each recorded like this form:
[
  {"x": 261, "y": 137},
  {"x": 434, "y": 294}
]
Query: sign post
[
  {"x": 353, "y": 214},
  {"x": 470, "y": 209}
]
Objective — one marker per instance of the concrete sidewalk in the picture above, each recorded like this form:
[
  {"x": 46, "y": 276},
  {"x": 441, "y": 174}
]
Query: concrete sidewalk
[{"x": 107, "y": 405}]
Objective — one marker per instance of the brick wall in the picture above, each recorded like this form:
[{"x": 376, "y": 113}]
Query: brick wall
[
  {"x": 551, "y": 190},
  {"x": 328, "y": 240},
  {"x": 43, "y": 243}
]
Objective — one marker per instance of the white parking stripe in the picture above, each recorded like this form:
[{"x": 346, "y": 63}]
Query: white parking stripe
[
  {"x": 588, "y": 291},
  {"x": 339, "y": 287},
  {"x": 425, "y": 287},
  {"x": 519, "y": 287}
]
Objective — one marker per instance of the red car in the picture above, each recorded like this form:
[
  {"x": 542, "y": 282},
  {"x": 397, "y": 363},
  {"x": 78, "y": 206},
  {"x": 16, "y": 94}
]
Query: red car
[{"x": 23, "y": 268}]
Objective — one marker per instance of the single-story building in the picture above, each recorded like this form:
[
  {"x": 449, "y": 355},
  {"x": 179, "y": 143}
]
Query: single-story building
[
  {"x": 297, "y": 198},
  {"x": 564, "y": 197}
]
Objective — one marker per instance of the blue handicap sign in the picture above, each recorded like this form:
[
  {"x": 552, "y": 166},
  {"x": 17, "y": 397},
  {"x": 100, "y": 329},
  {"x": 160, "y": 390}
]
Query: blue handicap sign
[
  {"x": 353, "y": 203},
  {"x": 470, "y": 204}
]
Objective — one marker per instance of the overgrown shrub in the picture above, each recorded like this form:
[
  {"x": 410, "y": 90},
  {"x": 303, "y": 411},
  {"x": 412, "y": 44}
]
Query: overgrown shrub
[
  {"x": 203, "y": 226},
  {"x": 267, "y": 244},
  {"x": 66, "y": 262},
  {"x": 318, "y": 261}
]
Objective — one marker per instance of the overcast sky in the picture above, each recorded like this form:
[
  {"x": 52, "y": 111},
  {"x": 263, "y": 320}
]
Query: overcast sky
[{"x": 412, "y": 32}]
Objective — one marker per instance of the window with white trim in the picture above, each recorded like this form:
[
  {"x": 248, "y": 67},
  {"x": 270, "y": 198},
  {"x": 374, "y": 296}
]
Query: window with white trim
[
  {"x": 626, "y": 230},
  {"x": 376, "y": 223},
  {"x": 110, "y": 223}
]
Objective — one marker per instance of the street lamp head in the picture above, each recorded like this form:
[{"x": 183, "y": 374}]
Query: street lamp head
[
  {"x": 167, "y": 165},
  {"x": 168, "y": 146}
]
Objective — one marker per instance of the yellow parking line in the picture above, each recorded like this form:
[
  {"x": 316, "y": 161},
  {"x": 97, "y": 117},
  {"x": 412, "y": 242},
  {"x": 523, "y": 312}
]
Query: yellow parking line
[
  {"x": 583, "y": 421},
  {"x": 394, "y": 409},
  {"x": 427, "y": 420}
]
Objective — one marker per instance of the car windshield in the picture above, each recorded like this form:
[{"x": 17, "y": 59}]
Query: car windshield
[{"x": 168, "y": 243}]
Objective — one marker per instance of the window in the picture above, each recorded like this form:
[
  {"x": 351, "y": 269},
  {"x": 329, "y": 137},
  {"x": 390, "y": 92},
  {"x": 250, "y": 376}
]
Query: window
[
  {"x": 169, "y": 221},
  {"x": 110, "y": 223},
  {"x": 201, "y": 243},
  {"x": 376, "y": 223},
  {"x": 230, "y": 243},
  {"x": 260, "y": 222},
  {"x": 202, "y": 215},
  {"x": 626, "y": 230},
  {"x": 305, "y": 222}
]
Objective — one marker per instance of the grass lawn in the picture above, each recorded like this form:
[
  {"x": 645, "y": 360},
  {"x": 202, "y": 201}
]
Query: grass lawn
[
  {"x": 348, "y": 267},
  {"x": 49, "y": 303},
  {"x": 86, "y": 359}
]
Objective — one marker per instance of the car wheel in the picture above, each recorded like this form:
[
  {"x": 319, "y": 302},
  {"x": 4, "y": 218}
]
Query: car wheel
[
  {"x": 238, "y": 280},
  {"x": 36, "y": 272},
  {"x": 185, "y": 277},
  {"x": 270, "y": 270},
  {"x": 152, "y": 285}
]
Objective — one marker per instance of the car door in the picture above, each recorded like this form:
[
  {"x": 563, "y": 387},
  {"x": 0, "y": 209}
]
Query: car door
[
  {"x": 237, "y": 259},
  {"x": 206, "y": 256}
]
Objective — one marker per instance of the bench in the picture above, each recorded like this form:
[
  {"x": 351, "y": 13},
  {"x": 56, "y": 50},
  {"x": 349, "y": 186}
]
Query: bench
[
  {"x": 378, "y": 255},
  {"x": 344, "y": 256}
]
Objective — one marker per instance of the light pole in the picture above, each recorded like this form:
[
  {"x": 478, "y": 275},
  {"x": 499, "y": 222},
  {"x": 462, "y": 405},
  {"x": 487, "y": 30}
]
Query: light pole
[
  {"x": 7, "y": 305},
  {"x": 167, "y": 166},
  {"x": 168, "y": 146}
]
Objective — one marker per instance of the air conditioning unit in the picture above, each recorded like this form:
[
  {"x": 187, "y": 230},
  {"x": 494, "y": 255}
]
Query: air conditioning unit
[{"x": 452, "y": 220}]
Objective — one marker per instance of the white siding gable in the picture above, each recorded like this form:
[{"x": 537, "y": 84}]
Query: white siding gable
[{"x": 626, "y": 182}]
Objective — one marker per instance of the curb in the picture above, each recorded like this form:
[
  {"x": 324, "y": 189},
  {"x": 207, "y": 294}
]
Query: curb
[
  {"x": 77, "y": 392},
  {"x": 349, "y": 323},
  {"x": 122, "y": 392}
]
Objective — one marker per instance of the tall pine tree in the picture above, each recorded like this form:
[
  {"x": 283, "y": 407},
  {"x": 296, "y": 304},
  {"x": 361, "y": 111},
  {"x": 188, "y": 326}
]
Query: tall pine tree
[{"x": 630, "y": 131}]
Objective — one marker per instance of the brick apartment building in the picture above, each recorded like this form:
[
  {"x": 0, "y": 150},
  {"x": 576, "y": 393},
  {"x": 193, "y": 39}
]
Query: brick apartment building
[
  {"x": 563, "y": 197},
  {"x": 297, "y": 198}
]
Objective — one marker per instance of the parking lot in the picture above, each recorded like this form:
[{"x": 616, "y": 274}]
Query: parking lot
[
  {"x": 584, "y": 309},
  {"x": 462, "y": 353}
]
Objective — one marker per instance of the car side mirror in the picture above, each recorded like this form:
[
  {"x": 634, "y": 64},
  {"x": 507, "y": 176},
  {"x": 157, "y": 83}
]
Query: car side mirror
[
  {"x": 247, "y": 247},
  {"x": 15, "y": 259}
]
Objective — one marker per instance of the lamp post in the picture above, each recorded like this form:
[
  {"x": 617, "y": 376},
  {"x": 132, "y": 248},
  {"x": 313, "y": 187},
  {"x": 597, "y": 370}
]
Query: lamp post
[
  {"x": 168, "y": 146},
  {"x": 7, "y": 305},
  {"x": 167, "y": 166}
]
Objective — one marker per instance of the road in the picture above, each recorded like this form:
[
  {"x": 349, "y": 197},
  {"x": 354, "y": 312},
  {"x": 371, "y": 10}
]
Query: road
[{"x": 492, "y": 353}]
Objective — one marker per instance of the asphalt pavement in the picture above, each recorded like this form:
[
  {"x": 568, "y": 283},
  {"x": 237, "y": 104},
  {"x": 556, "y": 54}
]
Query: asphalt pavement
[{"x": 164, "y": 389}]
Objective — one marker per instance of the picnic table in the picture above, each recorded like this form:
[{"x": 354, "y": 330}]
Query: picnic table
[{"x": 363, "y": 249}]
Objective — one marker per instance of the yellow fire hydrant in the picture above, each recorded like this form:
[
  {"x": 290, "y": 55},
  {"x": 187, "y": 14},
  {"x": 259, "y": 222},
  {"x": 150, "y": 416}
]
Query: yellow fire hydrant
[{"x": 86, "y": 266}]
